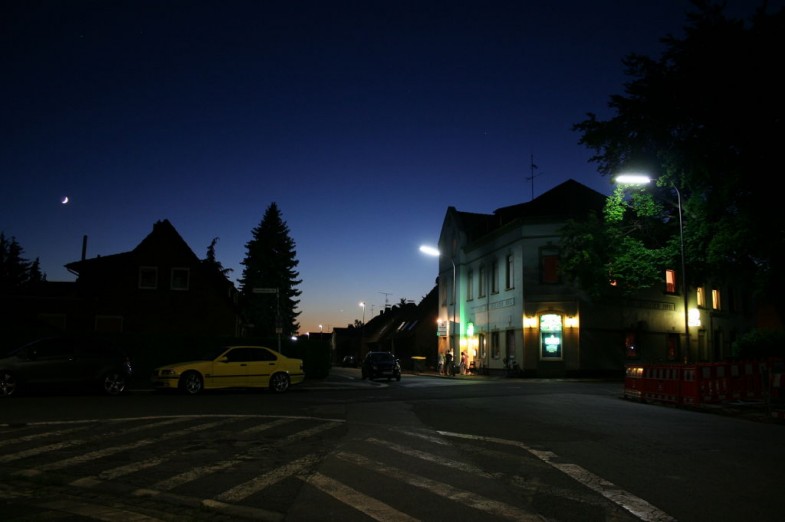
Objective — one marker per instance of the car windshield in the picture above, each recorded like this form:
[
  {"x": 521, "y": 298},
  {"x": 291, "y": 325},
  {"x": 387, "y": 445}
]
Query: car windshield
[{"x": 381, "y": 357}]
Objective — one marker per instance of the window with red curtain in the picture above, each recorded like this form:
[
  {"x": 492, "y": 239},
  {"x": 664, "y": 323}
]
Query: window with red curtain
[{"x": 550, "y": 268}]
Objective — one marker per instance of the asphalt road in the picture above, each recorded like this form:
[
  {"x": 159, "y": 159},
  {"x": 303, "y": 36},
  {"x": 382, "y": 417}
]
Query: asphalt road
[{"x": 424, "y": 448}]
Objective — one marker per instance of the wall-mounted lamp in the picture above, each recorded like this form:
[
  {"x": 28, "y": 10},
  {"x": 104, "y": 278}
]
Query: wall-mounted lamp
[
  {"x": 530, "y": 321},
  {"x": 571, "y": 322}
]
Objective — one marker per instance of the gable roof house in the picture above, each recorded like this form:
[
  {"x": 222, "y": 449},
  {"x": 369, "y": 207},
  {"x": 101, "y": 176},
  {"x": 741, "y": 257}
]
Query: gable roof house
[
  {"x": 407, "y": 330},
  {"x": 159, "y": 287},
  {"x": 404, "y": 329},
  {"x": 503, "y": 301}
]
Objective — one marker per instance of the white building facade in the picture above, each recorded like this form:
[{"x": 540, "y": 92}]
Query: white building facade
[{"x": 503, "y": 303}]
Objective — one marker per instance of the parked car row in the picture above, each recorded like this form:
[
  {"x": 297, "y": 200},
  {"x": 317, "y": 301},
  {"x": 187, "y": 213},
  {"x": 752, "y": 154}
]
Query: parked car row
[
  {"x": 95, "y": 364},
  {"x": 65, "y": 362}
]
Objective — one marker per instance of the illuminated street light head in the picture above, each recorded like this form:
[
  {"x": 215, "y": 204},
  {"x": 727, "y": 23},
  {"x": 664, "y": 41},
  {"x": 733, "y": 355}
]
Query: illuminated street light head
[
  {"x": 633, "y": 179},
  {"x": 431, "y": 251}
]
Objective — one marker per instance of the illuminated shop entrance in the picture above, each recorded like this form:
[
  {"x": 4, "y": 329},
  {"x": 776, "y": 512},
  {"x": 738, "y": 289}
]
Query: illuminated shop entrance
[{"x": 551, "y": 341}]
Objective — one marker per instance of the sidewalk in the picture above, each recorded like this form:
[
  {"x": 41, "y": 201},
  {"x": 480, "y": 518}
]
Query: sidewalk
[{"x": 757, "y": 411}]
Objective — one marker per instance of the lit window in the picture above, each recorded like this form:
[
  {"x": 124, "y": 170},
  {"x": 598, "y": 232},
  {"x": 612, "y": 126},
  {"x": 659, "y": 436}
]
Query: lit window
[
  {"x": 670, "y": 282},
  {"x": 148, "y": 277},
  {"x": 701, "y": 297},
  {"x": 715, "y": 300},
  {"x": 180, "y": 278}
]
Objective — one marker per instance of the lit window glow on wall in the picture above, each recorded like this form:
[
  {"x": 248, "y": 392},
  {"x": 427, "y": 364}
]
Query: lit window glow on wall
[{"x": 551, "y": 336}]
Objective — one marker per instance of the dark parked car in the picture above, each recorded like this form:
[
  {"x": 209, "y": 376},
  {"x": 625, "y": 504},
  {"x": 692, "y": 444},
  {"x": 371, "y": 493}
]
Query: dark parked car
[
  {"x": 381, "y": 364},
  {"x": 65, "y": 362}
]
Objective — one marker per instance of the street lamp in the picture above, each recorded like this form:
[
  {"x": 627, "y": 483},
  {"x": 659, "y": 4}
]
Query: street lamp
[
  {"x": 362, "y": 304},
  {"x": 642, "y": 179},
  {"x": 431, "y": 251}
]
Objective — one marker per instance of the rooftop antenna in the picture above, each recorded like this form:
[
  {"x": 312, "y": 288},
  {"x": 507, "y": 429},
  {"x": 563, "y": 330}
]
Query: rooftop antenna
[
  {"x": 531, "y": 178},
  {"x": 386, "y": 302}
]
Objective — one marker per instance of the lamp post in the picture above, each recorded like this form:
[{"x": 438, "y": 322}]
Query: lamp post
[
  {"x": 362, "y": 326},
  {"x": 450, "y": 340},
  {"x": 642, "y": 179}
]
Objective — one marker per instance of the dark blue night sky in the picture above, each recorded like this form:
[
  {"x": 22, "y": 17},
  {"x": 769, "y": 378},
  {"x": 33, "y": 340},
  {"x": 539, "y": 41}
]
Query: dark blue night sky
[{"x": 362, "y": 120}]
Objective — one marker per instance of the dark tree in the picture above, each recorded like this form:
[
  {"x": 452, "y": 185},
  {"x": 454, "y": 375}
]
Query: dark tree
[
  {"x": 270, "y": 264},
  {"x": 706, "y": 118},
  {"x": 212, "y": 261},
  {"x": 16, "y": 272}
]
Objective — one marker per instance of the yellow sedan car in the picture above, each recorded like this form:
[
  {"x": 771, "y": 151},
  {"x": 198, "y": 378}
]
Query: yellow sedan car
[{"x": 231, "y": 367}]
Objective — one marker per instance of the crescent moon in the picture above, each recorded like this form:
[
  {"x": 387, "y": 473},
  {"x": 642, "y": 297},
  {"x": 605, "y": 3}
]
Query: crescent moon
[{"x": 65, "y": 200}]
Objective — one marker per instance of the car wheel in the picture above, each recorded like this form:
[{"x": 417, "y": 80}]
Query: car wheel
[
  {"x": 279, "y": 382},
  {"x": 8, "y": 384},
  {"x": 191, "y": 383},
  {"x": 114, "y": 383}
]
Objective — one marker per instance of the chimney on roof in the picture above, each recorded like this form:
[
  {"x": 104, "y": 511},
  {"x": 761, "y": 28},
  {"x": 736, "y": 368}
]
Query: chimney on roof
[{"x": 84, "y": 247}]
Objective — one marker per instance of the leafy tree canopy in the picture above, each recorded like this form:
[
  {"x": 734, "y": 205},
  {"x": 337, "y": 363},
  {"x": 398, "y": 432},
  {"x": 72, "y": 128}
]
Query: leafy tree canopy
[{"x": 705, "y": 119}]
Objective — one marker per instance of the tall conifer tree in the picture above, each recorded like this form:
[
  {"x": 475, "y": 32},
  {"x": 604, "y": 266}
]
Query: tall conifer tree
[
  {"x": 270, "y": 264},
  {"x": 15, "y": 271}
]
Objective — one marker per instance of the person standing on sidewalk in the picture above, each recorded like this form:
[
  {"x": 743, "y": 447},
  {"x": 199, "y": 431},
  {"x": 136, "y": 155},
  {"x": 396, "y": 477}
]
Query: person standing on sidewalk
[
  {"x": 448, "y": 370},
  {"x": 463, "y": 363},
  {"x": 440, "y": 364}
]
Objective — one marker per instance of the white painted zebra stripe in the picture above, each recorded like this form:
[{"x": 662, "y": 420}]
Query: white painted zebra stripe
[
  {"x": 193, "y": 474},
  {"x": 368, "y": 505},
  {"x": 133, "y": 467},
  {"x": 42, "y": 435},
  {"x": 93, "y": 455},
  {"x": 197, "y": 473},
  {"x": 246, "y": 489},
  {"x": 67, "y": 444},
  {"x": 430, "y": 457},
  {"x": 635, "y": 505},
  {"x": 467, "y": 498}
]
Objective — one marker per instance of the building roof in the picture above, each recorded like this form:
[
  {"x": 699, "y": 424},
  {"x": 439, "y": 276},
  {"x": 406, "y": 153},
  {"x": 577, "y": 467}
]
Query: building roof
[
  {"x": 569, "y": 200},
  {"x": 164, "y": 238}
]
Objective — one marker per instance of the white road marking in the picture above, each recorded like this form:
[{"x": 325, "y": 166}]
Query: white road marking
[
  {"x": 368, "y": 505},
  {"x": 467, "y": 498},
  {"x": 635, "y": 505}
]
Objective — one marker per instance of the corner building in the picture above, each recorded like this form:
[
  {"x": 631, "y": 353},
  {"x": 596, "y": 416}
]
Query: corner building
[{"x": 503, "y": 303}]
